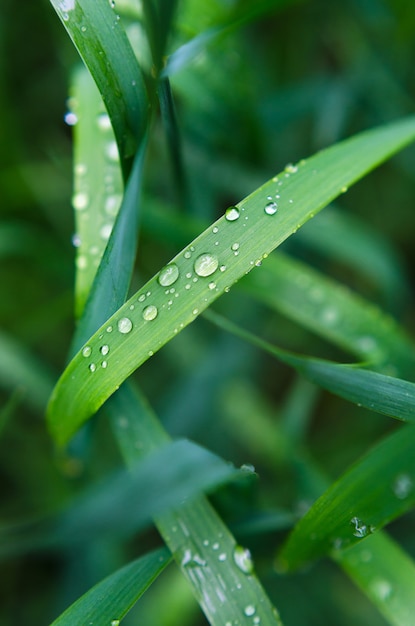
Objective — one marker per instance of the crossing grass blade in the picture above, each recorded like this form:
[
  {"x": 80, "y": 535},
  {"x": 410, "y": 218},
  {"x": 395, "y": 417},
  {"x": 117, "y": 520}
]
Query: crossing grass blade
[
  {"x": 373, "y": 492},
  {"x": 220, "y": 572},
  {"x": 214, "y": 261},
  {"x": 385, "y": 573},
  {"x": 111, "y": 599},
  {"x": 384, "y": 394},
  {"x": 100, "y": 39}
]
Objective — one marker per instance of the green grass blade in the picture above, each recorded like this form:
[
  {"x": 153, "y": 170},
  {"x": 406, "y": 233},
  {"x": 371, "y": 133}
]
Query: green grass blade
[
  {"x": 391, "y": 396},
  {"x": 219, "y": 571},
  {"x": 98, "y": 185},
  {"x": 100, "y": 39},
  {"x": 335, "y": 313},
  {"x": 111, "y": 599},
  {"x": 386, "y": 574},
  {"x": 208, "y": 267},
  {"x": 374, "y": 491}
]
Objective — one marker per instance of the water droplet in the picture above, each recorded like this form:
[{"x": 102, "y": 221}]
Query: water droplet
[
  {"x": 249, "y": 610},
  {"x": 83, "y": 29},
  {"x": 103, "y": 121},
  {"x": 257, "y": 619},
  {"x": 104, "y": 349},
  {"x": 109, "y": 329},
  {"x": 124, "y": 325},
  {"x": 112, "y": 204},
  {"x": 215, "y": 229},
  {"x": 71, "y": 118},
  {"x": 402, "y": 486},
  {"x": 329, "y": 315},
  {"x": 381, "y": 588},
  {"x": 92, "y": 367},
  {"x": 344, "y": 189},
  {"x": 248, "y": 467},
  {"x": 212, "y": 286},
  {"x": 187, "y": 254},
  {"x": 87, "y": 351},
  {"x": 80, "y": 201},
  {"x": 195, "y": 311},
  {"x": 142, "y": 297},
  {"x": 112, "y": 151},
  {"x": 290, "y": 168},
  {"x": 222, "y": 268},
  {"x": 150, "y": 313},
  {"x": 206, "y": 264},
  {"x": 232, "y": 213},
  {"x": 104, "y": 364},
  {"x": 105, "y": 231},
  {"x": 222, "y": 557},
  {"x": 115, "y": 622},
  {"x": 76, "y": 240},
  {"x": 243, "y": 559},
  {"x": 235, "y": 246},
  {"x": 168, "y": 275},
  {"x": 271, "y": 208},
  {"x": 360, "y": 529}
]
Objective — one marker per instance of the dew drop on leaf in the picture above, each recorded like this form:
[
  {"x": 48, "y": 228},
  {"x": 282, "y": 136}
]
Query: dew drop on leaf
[
  {"x": 86, "y": 351},
  {"x": 168, "y": 275},
  {"x": 150, "y": 313},
  {"x": 104, "y": 350},
  {"x": 249, "y": 610},
  {"x": 112, "y": 151},
  {"x": 206, "y": 264},
  {"x": 271, "y": 208},
  {"x": 243, "y": 559},
  {"x": 402, "y": 486},
  {"x": 103, "y": 121},
  {"x": 124, "y": 325},
  {"x": 232, "y": 213},
  {"x": 80, "y": 201},
  {"x": 92, "y": 367}
]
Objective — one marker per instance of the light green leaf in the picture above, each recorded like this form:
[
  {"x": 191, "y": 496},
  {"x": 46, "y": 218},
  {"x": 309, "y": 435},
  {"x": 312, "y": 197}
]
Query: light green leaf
[
  {"x": 374, "y": 491},
  {"x": 111, "y": 599},
  {"x": 208, "y": 267},
  {"x": 100, "y": 39}
]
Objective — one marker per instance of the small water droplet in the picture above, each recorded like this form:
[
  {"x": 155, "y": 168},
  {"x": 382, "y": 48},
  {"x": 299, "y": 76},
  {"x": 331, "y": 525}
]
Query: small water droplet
[
  {"x": 103, "y": 121},
  {"x": 87, "y": 351},
  {"x": 92, "y": 367},
  {"x": 215, "y": 229},
  {"x": 243, "y": 559},
  {"x": 235, "y": 246},
  {"x": 271, "y": 208},
  {"x": 402, "y": 486},
  {"x": 104, "y": 364},
  {"x": 115, "y": 622},
  {"x": 71, "y": 118},
  {"x": 168, "y": 275},
  {"x": 80, "y": 201},
  {"x": 222, "y": 557},
  {"x": 112, "y": 204},
  {"x": 109, "y": 329},
  {"x": 344, "y": 189},
  {"x": 360, "y": 529},
  {"x": 112, "y": 151},
  {"x": 76, "y": 240},
  {"x": 212, "y": 286},
  {"x": 187, "y": 254},
  {"x": 104, "y": 349},
  {"x": 83, "y": 29},
  {"x": 124, "y": 325},
  {"x": 381, "y": 588},
  {"x": 150, "y": 313},
  {"x": 206, "y": 264},
  {"x": 105, "y": 231},
  {"x": 222, "y": 268},
  {"x": 249, "y": 610},
  {"x": 232, "y": 213},
  {"x": 290, "y": 168},
  {"x": 248, "y": 467},
  {"x": 195, "y": 311}
]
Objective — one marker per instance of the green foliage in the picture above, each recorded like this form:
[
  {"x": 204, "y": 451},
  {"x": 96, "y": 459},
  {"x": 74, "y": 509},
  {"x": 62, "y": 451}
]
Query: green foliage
[{"x": 184, "y": 116}]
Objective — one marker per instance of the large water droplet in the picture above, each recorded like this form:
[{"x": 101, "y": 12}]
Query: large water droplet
[
  {"x": 243, "y": 559},
  {"x": 168, "y": 275},
  {"x": 150, "y": 313},
  {"x": 115, "y": 622},
  {"x": 124, "y": 325},
  {"x": 271, "y": 208},
  {"x": 206, "y": 264},
  {"x": 104, "y": 349},
  {"x": 232, "y": 213},
  {"x": 87, "y": 351}
]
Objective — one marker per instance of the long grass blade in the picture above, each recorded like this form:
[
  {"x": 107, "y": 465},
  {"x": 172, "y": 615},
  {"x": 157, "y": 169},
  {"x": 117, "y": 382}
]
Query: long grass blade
[{"x": 208, "y": 267}]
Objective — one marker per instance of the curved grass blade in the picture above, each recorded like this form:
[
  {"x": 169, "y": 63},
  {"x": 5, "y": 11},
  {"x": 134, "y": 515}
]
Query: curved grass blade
[
  {"x": 386, "y": 574},
  {"x": 111, "y": 599},
  {"x": 391, "y": 396},
  {"x": 208, "y": 267},
  {"x": 220, "y": 572},
  {"x": 373, "y": 492},
  {"x": 100, "y": 39},
  {"x": 335, "y": 313}
]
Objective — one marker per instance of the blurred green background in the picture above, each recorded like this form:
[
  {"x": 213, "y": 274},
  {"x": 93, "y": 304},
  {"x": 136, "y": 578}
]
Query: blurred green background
[{"x": 298, "y": 77}]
